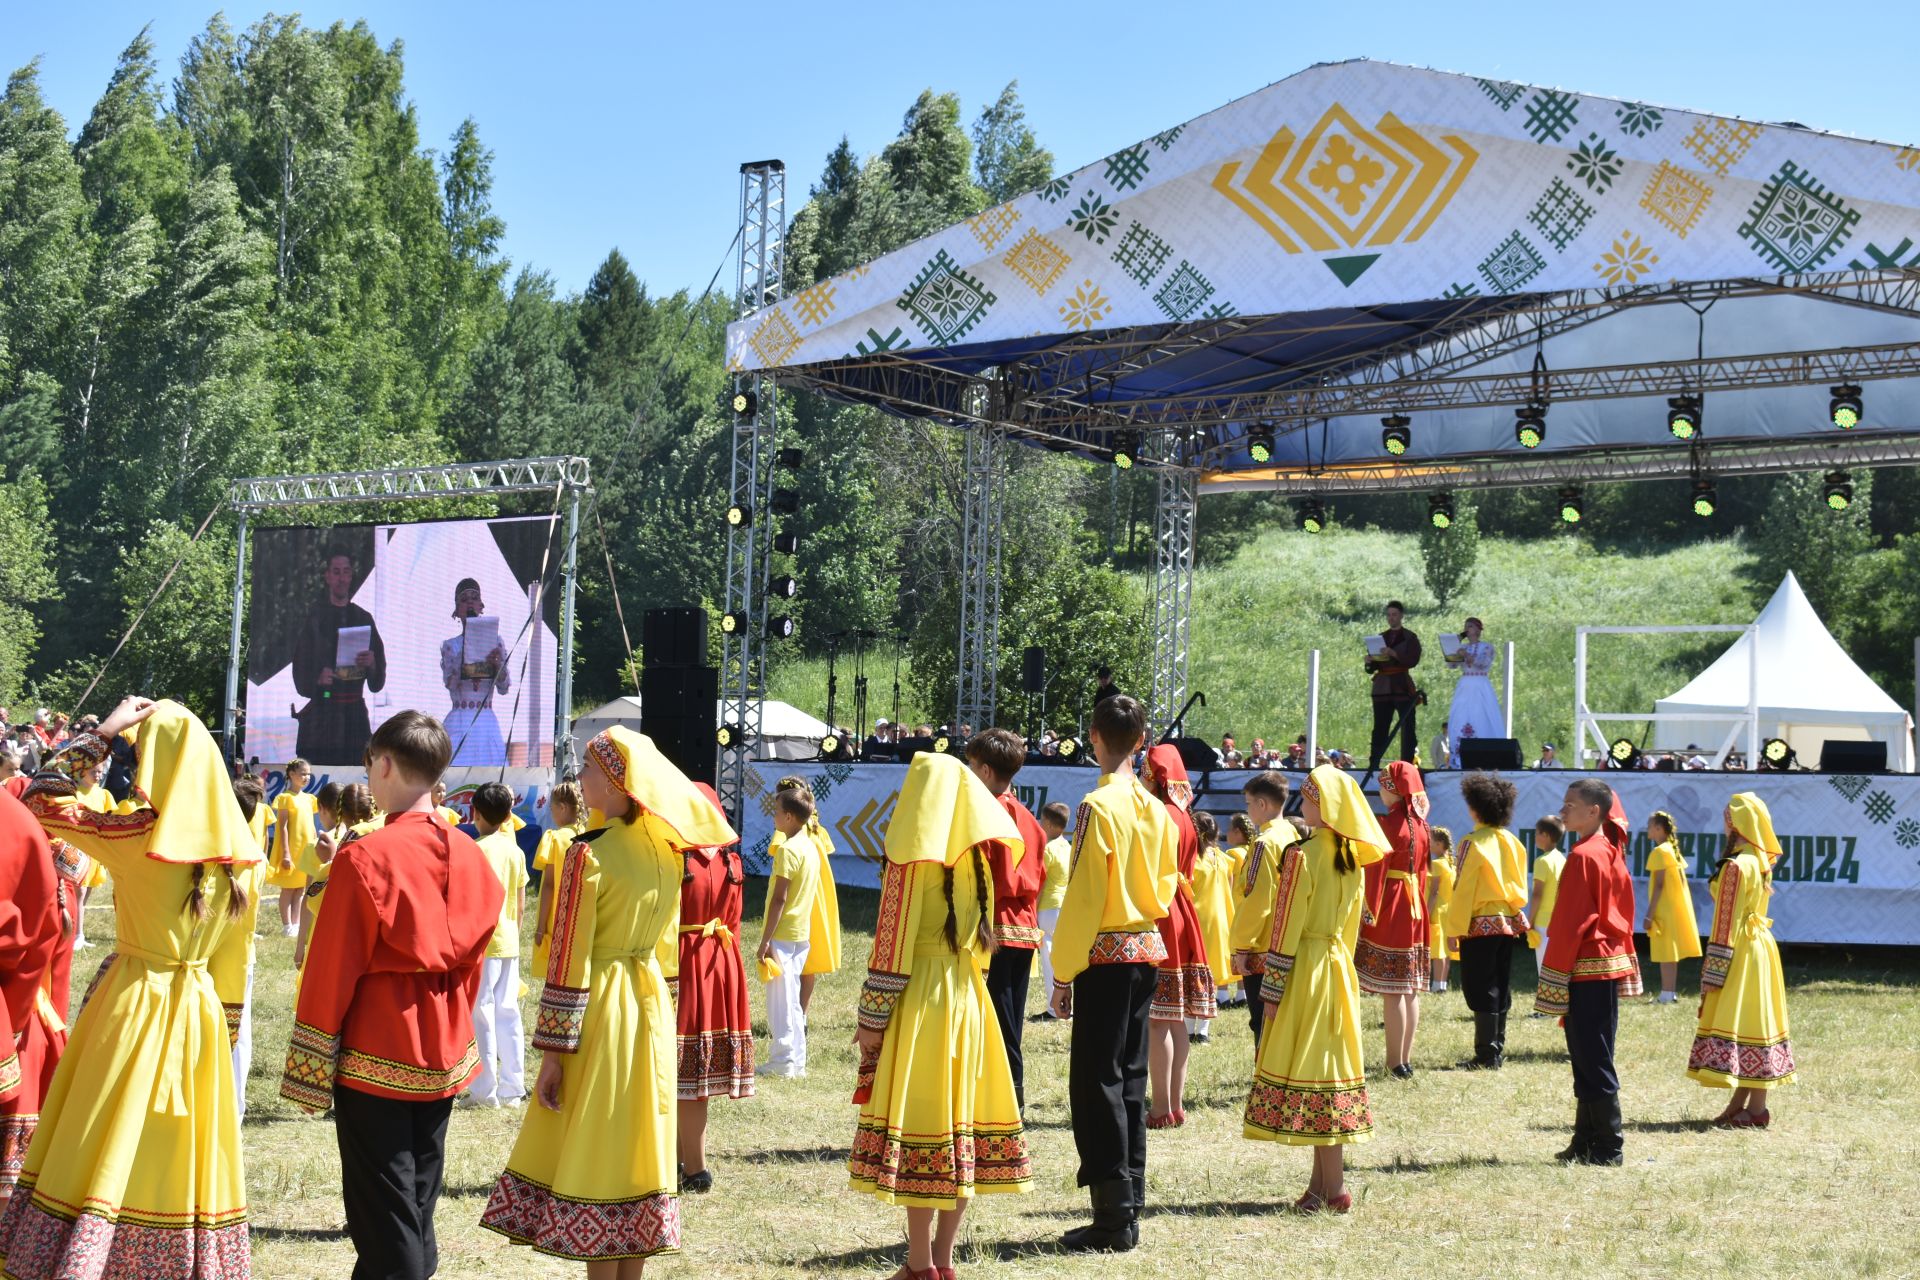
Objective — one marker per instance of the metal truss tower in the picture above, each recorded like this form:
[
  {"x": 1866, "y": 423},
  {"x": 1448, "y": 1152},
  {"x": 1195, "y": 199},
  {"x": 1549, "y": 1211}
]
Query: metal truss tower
[
  {"x": 1173, "y": 545},
  {"x": 978, "y": 688},
  {"x": 743, "y": 661}
]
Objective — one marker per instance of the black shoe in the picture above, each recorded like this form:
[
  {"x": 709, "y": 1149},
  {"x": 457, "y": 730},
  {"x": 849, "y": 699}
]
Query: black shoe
[
  {"x": 1113, "y": 1229},
  {"x": 1607, "y": 1134},
  {"x": 1582, "y": 1133},
  {"x": 697, "y": 1184},
  {"x": 1402, "y": 1072},
  {"x": 1487, "y": 1043}
]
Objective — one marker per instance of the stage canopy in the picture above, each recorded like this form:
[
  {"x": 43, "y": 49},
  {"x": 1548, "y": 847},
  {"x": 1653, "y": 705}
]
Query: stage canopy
[
  {"x": 1362, "y": 239},
  {"x": 1810, "y": 690}
]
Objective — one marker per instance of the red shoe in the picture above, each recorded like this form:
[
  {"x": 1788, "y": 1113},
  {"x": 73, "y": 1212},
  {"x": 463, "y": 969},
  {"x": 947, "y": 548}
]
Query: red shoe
[
  {"x": 1729, "y": 1118},
  {"x": 1161, "y": 1122},
  {"x": 1342, "y": 1203},
  {"x": 947, "y": 1273},
  {"x": 1309, "y": 1203},
  {"x": 1180, "y": 1117},
  {"x": 1759, "y": 1119}
]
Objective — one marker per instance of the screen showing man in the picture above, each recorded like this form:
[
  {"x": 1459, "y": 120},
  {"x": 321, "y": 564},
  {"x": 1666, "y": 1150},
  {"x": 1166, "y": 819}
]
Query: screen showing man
[{"x": 338, "y": 657}]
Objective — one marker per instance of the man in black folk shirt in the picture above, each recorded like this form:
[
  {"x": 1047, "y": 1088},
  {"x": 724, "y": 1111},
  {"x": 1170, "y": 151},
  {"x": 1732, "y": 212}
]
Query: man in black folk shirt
[
  {"x": 1393, "y": 689},
  {"x": 334, "y": 727}
]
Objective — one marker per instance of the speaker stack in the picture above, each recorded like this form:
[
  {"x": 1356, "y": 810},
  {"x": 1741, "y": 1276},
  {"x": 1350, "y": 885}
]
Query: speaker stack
[{"x": 679, "y": 695}]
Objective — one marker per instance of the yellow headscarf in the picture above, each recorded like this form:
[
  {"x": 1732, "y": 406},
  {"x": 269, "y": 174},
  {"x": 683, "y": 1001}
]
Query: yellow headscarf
[
  {"x": 635, "y": 767},
  {"x": 182, "y": 774},
  {"x": 1344, "y": 810},
  {"x": 1748, "y": 815},
  {"x": 943, "y": 811}
]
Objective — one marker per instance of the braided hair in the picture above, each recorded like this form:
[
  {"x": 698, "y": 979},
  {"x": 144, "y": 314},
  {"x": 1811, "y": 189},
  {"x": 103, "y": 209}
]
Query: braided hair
[{"x": 951, "y": 929}]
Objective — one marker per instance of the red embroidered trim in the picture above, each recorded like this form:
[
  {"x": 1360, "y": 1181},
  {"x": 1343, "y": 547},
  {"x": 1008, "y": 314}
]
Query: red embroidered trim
[
  {"x": 424, "y": 1083},
  {"x": 716, "y": 1064},
  {"x": 940, "y": 1167},
  {"x": 1314, "y": 1114},
  {"x": 583, "y": 1230},
  {"x": 1127, "y": 948},
  {"x": 1742, "y": 1063}
]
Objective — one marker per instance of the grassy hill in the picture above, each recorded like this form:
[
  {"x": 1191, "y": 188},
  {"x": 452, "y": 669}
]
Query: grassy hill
[{"x": 1258, "y": 615}]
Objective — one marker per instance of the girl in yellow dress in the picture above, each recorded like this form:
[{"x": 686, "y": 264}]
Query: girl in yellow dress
[
  {"x": 1310, "y": 1088},
  {"x": 1672, "y": 932},
  {"x": 592, "y": 1175},
  {"x": 1439, "y": 898},
  {"x": 938, "y": 1120},
  {"x": 823, "y": 934},
  {"x": 293, "y": 835},
  {"x": 135, "y": 1168},
  {"x": 1742, "y": 1042},
  {"x": 566, "y": 810},
  {"x": 1213, "y": 903}
]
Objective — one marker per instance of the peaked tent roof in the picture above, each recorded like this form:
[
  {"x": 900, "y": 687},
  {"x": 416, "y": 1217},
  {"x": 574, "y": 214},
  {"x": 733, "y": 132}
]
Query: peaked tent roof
[
  {"x": 1810, "y": 689},
  {"x": 1364, "y": 222}
]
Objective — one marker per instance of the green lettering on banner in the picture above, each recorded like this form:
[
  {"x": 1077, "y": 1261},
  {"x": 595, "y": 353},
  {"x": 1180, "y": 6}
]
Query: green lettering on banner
[
  {"x": 1802, "y": 857},
  {"x": 1828, "y": 850},
  {"x": 1035, "y": 798},
  {"x": 1849, "y": 868}
]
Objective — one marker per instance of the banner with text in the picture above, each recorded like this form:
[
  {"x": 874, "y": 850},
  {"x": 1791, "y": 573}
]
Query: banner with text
[{"x": 1850, "y": 871}]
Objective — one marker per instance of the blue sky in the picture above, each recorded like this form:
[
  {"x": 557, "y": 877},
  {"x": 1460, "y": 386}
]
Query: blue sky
[{"x": 625, "y": 124}]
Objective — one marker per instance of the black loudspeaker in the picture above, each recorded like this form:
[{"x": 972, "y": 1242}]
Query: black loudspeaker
[
  {"x": 674, "y": 637},
  {"x": 1489, "y": 753},
  {"x": 1197, "y": 754},
  {"x": 1033, "y": 670},
  {"x": 679, "y": 710},
  {"x": 1852, "y": 757}
]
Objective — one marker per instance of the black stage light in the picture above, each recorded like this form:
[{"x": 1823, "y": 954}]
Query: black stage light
[
  {"x": 738, "y": 516},
  {"x": 1837, "y": 492},
  {"x": 732, "y": 622},
  {"x": 1067, "y": 748},
  {"x": 1126, "y": 449},
  {"x": 1396, "y": 433},
  {"x": 1260, "y": 445},
  {"x": 745, "y": 404},
  {"x": 785, "y": 587},
  {"x": 1572, "y": 506},
  {"x": 1706, "y": 497},
  {"x": 786, "y": 501},
  {"x": 1845, "y": 408},
  {"x": 941, "y": 744},
  {"x": 1440, "y": 510},
  {"x": 1530, "y": 425},
  {"x": 1623, "y": 754},
  {"x": 781, "y": 627},
  {"x": 1312, "y": 517},
  {"x": 787, "y": 544},
  {"x": 1776, "y": 754},
  {"x": 792, "y": 459},
  {"x": 730, "y": 736},
  {"x": 829, "y": 746},
  {"x": 1683, "y": 417}
]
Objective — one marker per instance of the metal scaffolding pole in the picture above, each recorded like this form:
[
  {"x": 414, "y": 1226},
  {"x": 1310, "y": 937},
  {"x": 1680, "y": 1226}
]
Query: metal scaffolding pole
[
  {"x": 566, "y": 761},
  {"x": 229, "y": 716},
  {"x": 743, "y": 660},
  {"x": 977, "y": 692},
  {"x": 1173, "y": 543}
]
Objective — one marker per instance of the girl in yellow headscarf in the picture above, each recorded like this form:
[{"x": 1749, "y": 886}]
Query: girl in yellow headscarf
[
  {"x": 137, "y": 1155},
  {"x": 938, "y": 1120},
  {"x": 1310, "y": 1088},
  {"x": 592, "y": 1174},
  {"x": 1742, "y": 1042}
]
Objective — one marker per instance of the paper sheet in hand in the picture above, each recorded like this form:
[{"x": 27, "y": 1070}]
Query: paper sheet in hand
[
  {"x": 1449, "y": 645},
  {"x": 478, "y": 638},
  {"x": 1375, "y": 646},
  {"x": 353, "y": 642}
]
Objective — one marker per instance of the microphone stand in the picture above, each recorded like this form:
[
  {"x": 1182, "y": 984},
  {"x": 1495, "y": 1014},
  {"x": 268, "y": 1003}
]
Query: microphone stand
[
  {"x": 833, "y": 677},
  {"x": 860, "y": 683}
]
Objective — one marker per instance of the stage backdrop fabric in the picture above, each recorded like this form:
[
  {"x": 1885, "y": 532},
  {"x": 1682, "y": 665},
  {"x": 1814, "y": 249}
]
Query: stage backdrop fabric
[{"x": 1850, "y": 871}]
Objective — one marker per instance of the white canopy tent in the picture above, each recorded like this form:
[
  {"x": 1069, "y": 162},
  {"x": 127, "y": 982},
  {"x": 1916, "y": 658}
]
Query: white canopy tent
[
  {"x": 1809, "y": 689},
  {"x": 788, "y": 733}
]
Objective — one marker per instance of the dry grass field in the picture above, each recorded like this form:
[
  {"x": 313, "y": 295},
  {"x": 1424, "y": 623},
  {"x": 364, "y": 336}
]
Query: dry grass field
[{"x": 1459, "y": 1180}]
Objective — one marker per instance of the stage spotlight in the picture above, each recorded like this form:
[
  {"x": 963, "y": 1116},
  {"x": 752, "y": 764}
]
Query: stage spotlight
[
  {"x": 1683, "y": 417},
  {"x": 1706, "y": 497},
  {"x": 1776, "y": 754},
  {"x": 730, "y": 736},
  {"x": 1623, "y": 754},
  {"x": 1837, "y": 493},
  {"x": 792, "y": 459},
  {"x": 1312, "y": 517},
  {"x": 1845, "y": 408},
  {"x": 1396, "y": 433},
  {"x": 1260, "y": 445},
  {"x": 730, "y": 623},
  {"x": 1440, "y": 510},
  {"x": 941, "y": 744},
  {"x": 1067, "y": 748},
  {"x": 786, "y": 501},
  {"x": 745, "y": 404},
  {"x": 1126, "y": 449},
  {"x": 781, "y": 627},
  {"x": 829, "y": 746},
  {"x": 1572, "y": 506},
  {"x": 738, "y": 516},
  {"x": 787, "y": 544},
  {"x": 785, "y": 587},
  {"x": 1530, "y": 425}
]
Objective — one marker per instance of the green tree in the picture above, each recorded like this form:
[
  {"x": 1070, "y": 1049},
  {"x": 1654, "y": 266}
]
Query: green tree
[
  {"x": 932, "y": 166},
  {"x": 179, "y": 649},
  {"x": 26, "y": 578},
  {"x": 1827, "y": 551},
  {"x": 1449, "y": 556},
  {"x": 1008, "y": 160}
]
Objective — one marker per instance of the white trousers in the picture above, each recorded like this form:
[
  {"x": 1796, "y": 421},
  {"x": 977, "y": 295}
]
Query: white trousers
[
  {"x": 786, "y": 1025},
  {"x": 243, "y": 1048},
  {"x": 498, "y": 1033},
  {"x": 1540, "y": 953},
  {"x": 1048, "y": 919}
]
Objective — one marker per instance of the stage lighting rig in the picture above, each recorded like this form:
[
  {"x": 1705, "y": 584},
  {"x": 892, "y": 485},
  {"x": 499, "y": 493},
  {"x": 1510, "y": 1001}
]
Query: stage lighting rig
[
  {"x": 1530, "y": 425},
  {"x": 739, "y": 517},
  {"x": 1837, "y": 492},
  {"x": 1706, "y": 497},
  {"x": 786, "y": 501},
  {"x": 730, "y": 736},
  {"x": 1776, "y": 754},
  {"x": 745, "y": 404},
  {"x": 1312, "y": 517},
  {"x": 785, "y": 587},
  {"x": 1126, "y": 449},
  {"x": 731, "y": 623},
  {"x": 781, "y": 627},
  {"x": 1845, "y": 408},
  {"x": 1440, "y": 510},
  {"x": 1683, "y": 417},
  {"x": 1260, "y": 445},
  {"x": 1396, "y": 434},
  {"x": 1623, "y": 754},
  {"x": 787, "y": 544},
  {"x": 1573, "y": 507}
]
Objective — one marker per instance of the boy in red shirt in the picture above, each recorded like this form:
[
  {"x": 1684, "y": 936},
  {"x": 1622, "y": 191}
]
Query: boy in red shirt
[
  {"x": 995, "y": 756},
  {"x": 384, "y": 1029}
]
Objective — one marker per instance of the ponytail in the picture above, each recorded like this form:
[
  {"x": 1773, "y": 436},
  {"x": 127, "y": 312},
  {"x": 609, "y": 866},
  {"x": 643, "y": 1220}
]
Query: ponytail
[
  {"x": 236, "y": 894},
  {"x": 196, "y": 903},
  {"x": 951, "y": 929},
  {"x": 1343, "y": 855}
]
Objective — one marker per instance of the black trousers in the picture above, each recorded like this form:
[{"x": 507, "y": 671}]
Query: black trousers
[
  {"x": 1384, "y": 710},
  {"x": 1256, "y": 1007},
  {"x": 1593, "y": 1016},
  {"x": 392, "y": 1157},
  {"x": 1486, "y": 973},
  {"x": 1007, "y": 976},
  {"x": 1107, "y": 1070}
]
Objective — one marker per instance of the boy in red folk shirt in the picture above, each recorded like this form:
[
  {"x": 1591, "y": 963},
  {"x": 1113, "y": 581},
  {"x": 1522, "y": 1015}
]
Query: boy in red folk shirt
[
  {"x": 995, "y": 757},
  {"x": 1590, "y": 963},
  {"x": 384, "y": 1029}
]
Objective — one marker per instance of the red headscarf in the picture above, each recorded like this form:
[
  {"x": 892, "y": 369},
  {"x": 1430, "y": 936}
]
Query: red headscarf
[
  {"x": 1618, "y": 831},
  {"x": 1407, "y": 830},
  {"x": 1170, "y": 771}
]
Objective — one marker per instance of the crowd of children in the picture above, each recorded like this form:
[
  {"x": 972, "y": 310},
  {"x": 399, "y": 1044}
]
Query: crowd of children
[{"x": 120, "y": 1135}]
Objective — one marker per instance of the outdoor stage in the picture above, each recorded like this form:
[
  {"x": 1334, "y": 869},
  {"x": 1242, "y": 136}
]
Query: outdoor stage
[{"x": 1850, "y": 873}]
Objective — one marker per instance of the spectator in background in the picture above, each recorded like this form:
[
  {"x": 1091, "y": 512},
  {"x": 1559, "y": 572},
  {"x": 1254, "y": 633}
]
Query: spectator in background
[
  {"x": 1297, "y": 754},
  {"x": 1258, "y": 757},
  {"x": 9, "y": 761},
  {"x": 28, "y": 745},
  {"x": 1230, "y": 756},
  {"x": 40, "y": 729},
  {"x": 1104, "y": 687},
  {"x": 1548, "y": 760}
]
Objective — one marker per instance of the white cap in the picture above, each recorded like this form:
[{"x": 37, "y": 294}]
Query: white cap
[{"x": 881, "y": 723}]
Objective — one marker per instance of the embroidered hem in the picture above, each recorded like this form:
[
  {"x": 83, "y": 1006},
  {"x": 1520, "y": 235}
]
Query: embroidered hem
[
  {"x": 16, "y": 1132},
  {"x": 1145, "y": 947},
  {"x": 937, "y": 1170},
  {"x": 1183, "y": 993},
  {"x": 42, "y": 1242},
  {"x": 716, "y": 1064},
  {"x": 1497, "y": 927},
  {"x": 561, "y": 1018},
  {"x": 1392, "y": 971},
  {"x": 1308, "y": 1114},
  {"x": 1725, "y": 1062},
  {"x": 1019, "y": 936},
  {"x": 528, "y": 1213},
  {"x": 408, "y": 1081}
]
